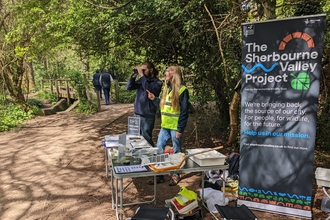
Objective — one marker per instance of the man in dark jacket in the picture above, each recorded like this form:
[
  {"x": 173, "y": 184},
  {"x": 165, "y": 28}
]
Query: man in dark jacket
[
  {"x": 96, "y": 82},
  {"x": 143, "y": 106},
  {"x": 105, "y": 81}
]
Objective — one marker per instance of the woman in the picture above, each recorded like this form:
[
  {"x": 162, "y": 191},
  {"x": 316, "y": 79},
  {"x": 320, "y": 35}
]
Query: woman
[{"x": 174, "y": 113}]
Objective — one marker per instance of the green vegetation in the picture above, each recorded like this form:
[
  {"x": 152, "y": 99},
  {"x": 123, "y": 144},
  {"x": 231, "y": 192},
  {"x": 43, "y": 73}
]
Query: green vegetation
[
  {"x": 47, "y": 40},
  {"x": 12, "y": 116},
  {"x": 127, "y": 96},
  {"x": 52, "y": 97}
]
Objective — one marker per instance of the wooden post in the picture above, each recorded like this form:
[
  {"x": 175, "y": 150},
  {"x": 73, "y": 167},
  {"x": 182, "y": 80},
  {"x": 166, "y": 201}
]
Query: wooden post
[
  {"x": 57, "y": 88},
  {"x": 67, "y": 92},
  {"x": 117, "y": 91},
  {"x": 86, "y": 87},
  {"x": 98, "y": 100},
  {"x": 42, "y": 85},
  {"x": 51, "y": 85}
]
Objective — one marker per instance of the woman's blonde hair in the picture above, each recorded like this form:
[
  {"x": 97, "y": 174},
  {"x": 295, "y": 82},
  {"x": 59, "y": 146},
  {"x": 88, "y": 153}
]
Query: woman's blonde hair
[{"x": 176, "y": 84}]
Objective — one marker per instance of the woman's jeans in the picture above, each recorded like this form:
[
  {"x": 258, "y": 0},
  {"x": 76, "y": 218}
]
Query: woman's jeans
[{"x": 165, "y": 135}]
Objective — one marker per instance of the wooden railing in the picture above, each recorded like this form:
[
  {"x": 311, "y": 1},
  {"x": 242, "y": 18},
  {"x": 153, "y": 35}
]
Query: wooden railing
[{"x": 63, "y": 89}]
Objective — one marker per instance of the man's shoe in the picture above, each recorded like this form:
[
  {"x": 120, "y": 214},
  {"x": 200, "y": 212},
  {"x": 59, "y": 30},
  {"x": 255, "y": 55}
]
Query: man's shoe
[
  {"x": 174, "y": 180},
  {"x": 159, "y": 179}
]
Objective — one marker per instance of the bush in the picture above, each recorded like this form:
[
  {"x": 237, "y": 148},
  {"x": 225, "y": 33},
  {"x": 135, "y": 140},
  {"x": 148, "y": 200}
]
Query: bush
[
  {"x": 35, "y": 102},
  {"x": 127, "y": 96},
  {"x": 12, "y": 116}
]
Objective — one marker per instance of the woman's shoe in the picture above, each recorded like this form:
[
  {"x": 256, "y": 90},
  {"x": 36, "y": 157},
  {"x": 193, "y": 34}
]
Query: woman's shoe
[
  {"x": 174, "y": 180},
  {"x": 159, "y": 179}
]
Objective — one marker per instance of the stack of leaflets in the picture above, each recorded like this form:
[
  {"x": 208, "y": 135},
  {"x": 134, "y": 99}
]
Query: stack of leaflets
[
  {"x": 185, "y": 201},
  {"x": 186, "y": 208}
]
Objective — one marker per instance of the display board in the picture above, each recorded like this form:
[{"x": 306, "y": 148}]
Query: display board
[
  {"x": 281, "y": 69},
  {"x": 133, "y": 126}
]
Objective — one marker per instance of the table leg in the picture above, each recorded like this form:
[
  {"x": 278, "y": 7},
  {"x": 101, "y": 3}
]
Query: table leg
[
  {"x": 116, "y": 192},
  {"x": 106, "y": 161},
  {"x": 121, "y": 192},
  {"x": 112, "y": 191},
  {"x": 155, "y": 189}
]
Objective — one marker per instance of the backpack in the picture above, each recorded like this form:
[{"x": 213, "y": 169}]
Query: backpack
[{"x": 233, "y": 161}]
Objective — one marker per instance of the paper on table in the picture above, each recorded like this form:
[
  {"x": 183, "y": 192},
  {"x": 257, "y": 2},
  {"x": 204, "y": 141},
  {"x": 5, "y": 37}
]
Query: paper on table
[{"x": 130, "y": 169}]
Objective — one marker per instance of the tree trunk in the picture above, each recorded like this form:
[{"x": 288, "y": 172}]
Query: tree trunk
[{"x": 233, "y": 113}]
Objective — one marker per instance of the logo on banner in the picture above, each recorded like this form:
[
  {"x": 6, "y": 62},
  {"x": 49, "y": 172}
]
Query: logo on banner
[{"x": 294, "y": 67}]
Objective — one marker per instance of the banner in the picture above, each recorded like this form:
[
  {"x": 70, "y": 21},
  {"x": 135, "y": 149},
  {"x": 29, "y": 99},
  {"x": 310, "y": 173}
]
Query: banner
[{"x": 281, "y": 69}]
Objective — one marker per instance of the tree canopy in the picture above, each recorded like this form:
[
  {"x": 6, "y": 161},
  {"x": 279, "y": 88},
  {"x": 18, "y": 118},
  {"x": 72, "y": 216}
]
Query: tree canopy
[{"x": 51, "y": 37}]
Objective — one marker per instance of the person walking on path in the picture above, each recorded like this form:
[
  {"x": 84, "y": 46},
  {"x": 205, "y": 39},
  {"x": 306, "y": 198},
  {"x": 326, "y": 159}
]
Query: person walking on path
[
  {"x": 96, "y": 82},
  {"x": 105, "y": 81},
  {"x": 143, "y": 106},
  {"x": 174, "y": 114}
]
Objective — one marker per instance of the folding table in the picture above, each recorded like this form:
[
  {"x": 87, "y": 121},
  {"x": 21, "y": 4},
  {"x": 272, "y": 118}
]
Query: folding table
[{"x": 189, "y": 167}]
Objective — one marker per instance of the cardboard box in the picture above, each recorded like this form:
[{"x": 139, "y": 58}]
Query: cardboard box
[
  {"x": 209, "y": 158},
  {"x": 322, "y": 176}
]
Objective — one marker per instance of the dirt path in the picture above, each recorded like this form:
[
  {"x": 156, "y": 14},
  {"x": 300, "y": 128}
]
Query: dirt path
[{"x": 53, "y": 168}]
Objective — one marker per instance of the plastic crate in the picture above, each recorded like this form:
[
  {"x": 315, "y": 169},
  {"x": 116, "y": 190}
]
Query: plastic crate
[
  {"x": 209, "y": 158},
  {"x": 322, "y": 176}
]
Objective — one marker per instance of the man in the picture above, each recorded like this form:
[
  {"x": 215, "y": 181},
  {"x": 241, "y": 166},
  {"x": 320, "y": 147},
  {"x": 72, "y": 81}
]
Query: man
[
  {"x": 143, "y": 106},
  {"x": 105, "y": 81}
]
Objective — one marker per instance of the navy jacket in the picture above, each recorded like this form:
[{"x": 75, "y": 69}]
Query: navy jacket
[
  {"x": 96, "y": 80},
  {"x": 143, "y": 105},
  {"x": 105, "y": 80}
]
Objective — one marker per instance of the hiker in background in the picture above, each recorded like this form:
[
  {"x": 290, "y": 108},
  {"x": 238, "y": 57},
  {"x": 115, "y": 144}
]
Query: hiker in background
[
  {"x": 143, "y": 106},
  {"x": 96, "y": 82},
  {"x": 174, "y": 114},
  {"x": 105, "y": 81}
]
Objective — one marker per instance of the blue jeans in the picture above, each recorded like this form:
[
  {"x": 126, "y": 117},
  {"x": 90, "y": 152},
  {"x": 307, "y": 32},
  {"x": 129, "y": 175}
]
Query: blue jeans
[
  {"x": 146, "y": 126},
  {"x": 165, "y": 135},
  {"x": 106, "y": 92}
]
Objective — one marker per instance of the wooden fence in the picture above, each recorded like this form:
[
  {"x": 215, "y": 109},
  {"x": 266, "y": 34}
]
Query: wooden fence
[{"x": 63, "y": 89}]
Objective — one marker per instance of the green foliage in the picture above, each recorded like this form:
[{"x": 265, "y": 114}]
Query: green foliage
[
  {"x": 204, "y": 37},
  {"x": 323, "y": 125},
  {"x": 127, "y": 96},
  {"x": 77, "y": 82},
  {"x": 35, "y": 102},
  {"x": 52, "y": 97},
  {"x": 12, "y": 116},
  {"x": 86, "y": 107}
]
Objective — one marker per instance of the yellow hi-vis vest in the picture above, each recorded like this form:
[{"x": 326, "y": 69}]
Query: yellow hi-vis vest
[{"x": 170, "y": 118}]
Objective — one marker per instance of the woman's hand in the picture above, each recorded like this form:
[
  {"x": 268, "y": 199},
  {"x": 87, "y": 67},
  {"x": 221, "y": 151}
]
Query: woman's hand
[{"x": 178, "y": 134}]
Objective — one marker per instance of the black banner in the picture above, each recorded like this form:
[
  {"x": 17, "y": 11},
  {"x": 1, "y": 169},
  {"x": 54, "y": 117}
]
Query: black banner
[{"x": 281, "y": 69}]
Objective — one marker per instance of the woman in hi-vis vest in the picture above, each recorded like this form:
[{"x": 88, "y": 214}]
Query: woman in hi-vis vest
[{"x": 174, "y": 114}]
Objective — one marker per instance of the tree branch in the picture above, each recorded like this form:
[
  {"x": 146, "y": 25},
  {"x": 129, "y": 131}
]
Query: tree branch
[
  {"x": 219, "y": 42},
  {"x": 117, "y": 6}
]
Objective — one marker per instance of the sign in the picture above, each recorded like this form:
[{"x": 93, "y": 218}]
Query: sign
[
  {"x": 281, "y": 69},
  {"x": 133, "y": 127}
]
